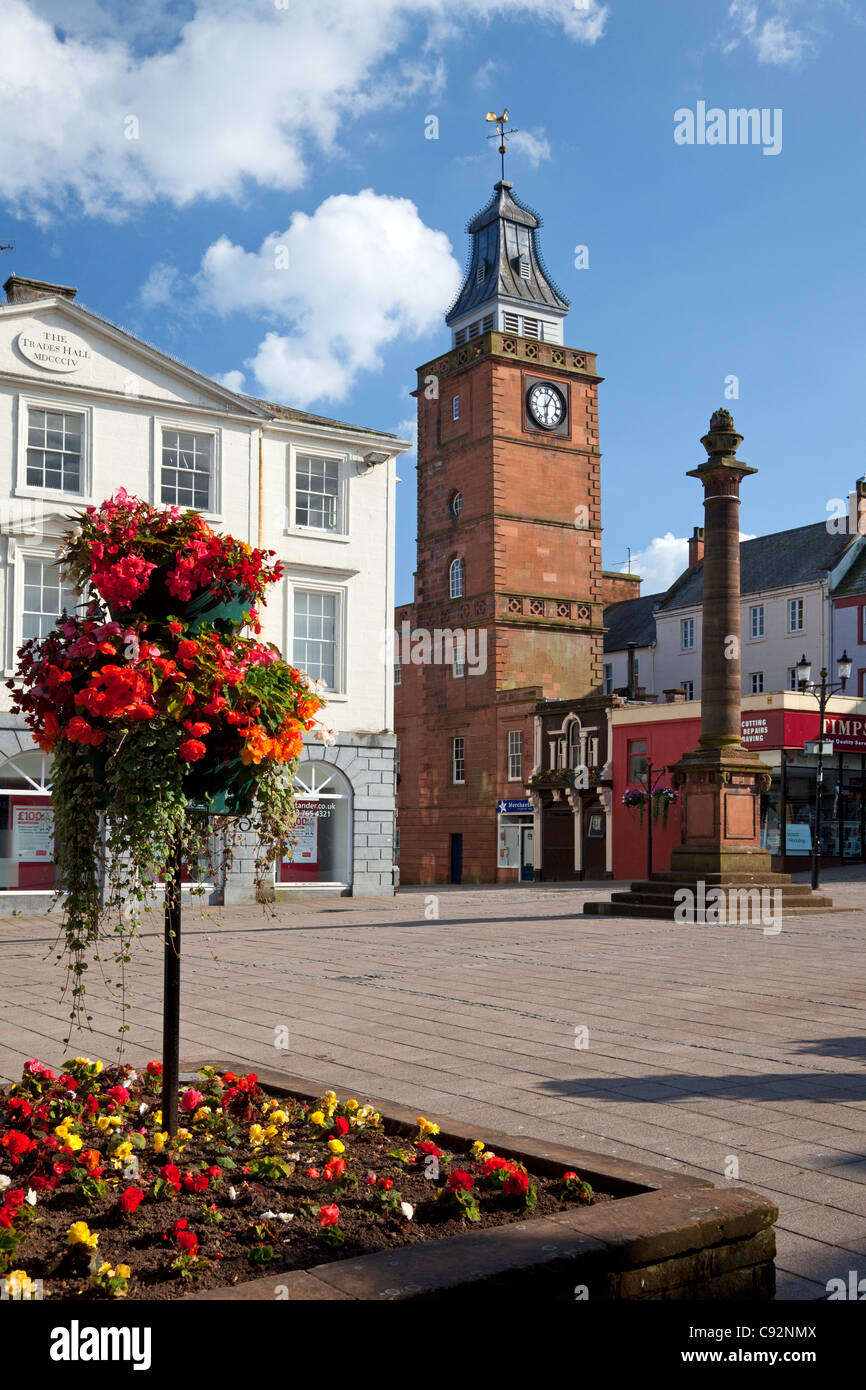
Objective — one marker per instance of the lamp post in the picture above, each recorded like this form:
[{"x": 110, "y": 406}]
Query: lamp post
[
  {"x": 653, "y": 778},
  {"x": 822, "y": 689}
]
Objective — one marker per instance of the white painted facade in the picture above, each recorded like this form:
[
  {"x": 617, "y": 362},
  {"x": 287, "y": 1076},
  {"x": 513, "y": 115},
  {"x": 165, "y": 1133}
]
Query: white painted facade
[{"x": 124, "y": 406}]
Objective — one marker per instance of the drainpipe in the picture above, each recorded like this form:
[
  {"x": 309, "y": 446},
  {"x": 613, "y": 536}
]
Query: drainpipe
[
  {"x": 631, "y": 676},
  {"x": 261, "y": 485}
]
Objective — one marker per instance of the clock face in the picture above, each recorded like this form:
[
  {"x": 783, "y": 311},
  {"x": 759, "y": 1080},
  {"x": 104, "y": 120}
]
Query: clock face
[{"x": 546, "y": 405}]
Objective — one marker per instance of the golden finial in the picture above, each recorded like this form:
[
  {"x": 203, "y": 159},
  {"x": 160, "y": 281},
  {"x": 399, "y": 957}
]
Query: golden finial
[{"x": 501, "y": 122}]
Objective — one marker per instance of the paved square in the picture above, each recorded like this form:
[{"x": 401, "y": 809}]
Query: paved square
[{"x": 705, "y": 1044}]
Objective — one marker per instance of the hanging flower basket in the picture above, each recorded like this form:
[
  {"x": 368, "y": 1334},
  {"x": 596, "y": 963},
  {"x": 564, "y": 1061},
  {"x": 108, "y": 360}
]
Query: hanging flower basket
[
  {"x": 159, "y": 711},
  {"x": 634, "y": 798},
  {"x": 663, "y": 798}
]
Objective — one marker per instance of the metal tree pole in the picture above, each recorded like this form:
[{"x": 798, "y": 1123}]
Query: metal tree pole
[
  {"x": 171, "y": 993},
  {"x": 649, "y": 809}
]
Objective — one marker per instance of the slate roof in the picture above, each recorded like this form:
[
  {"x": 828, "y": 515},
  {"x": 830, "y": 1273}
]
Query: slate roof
[
  {"x": 501, "y": 233},
  {"x": 854, "y": 580},
  {"x": 631, "y": 620},
  {"x": 800, "y": 556},
  {"x": 287, "y": 412}
]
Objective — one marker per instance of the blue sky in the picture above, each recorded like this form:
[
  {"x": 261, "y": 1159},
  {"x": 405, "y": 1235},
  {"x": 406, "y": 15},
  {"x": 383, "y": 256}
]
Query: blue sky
[{"x": 166, "y": 168}]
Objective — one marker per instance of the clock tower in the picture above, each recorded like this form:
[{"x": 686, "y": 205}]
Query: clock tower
[{"x": 508, "y": 586}]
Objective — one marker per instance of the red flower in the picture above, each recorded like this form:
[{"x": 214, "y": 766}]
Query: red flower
[
  {"x": 171, "y": 1174},
  {"x": 196, "y": 1182},
  {"x": 91, "y": 1105},
  {"x": 79, "y": 731},
  {"x": 191, "y": 1100},
  {"x": 215, "y": 1171},
  {"x": 313, "y": 1173},
  {"x": 130, "y": 1199},
  {"x": 187, "y": 651},
  {"x": 118, "y": 1094},
  {"x": 427, "y": 1148},
  {"x": 191, "y": 750},
  {"x": 154, "y": 1068},
  {"x": 17, "y": 1144},
  {"x": 458, "y": 1180},
  {"x": 187, "y": 1242},
  {"x": 329, "y": 1216},
  {"x": 175, "y": 628},
  {"x": 197, "y": 728},
  {"x": 385, "y": 1183},
  {"x": 334, "y": 1168},
  {"x": 516, "y": 1185},
  {"x": 341, "y": 1126}
]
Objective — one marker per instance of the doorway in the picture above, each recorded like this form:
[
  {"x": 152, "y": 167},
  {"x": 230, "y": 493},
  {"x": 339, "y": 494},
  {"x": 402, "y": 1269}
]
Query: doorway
[
  {"x": 527, "y": 854},
  {"x": 456, "y": 858}
]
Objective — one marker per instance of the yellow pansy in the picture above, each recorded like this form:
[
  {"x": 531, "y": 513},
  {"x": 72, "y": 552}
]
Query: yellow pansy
[
  {"x": 159, "y": 1141},
  {"x": 279, "y": 1117},
  {"x": 351, "y": 1104},
  {"x": 425, "y": 1126},
  {"x": 62, "y": 1131},
  {"x": 477, "y": 1148},
  {"x": 257, "y": 1134},
  {"x": 123, "y": 1151},
  {"x": 74, "y": 1142},
  {"x": 124, "y": 1271},
  {"x": 79, "y": 1233},
  {"x": 336, "y": 1146},
  {"x": 317, "y": 1117}
]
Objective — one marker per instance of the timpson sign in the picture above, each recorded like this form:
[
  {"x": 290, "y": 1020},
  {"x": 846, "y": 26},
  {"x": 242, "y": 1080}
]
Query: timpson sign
[
  {"x": 793, "y": 728},
  {"x": 53, "y": 350}
]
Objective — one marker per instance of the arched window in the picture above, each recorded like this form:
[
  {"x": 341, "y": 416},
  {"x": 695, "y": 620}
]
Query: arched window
[
  {"x": 26, "y": 825},
  {"x": 322, "y": 854},
  {"x": 575, "y": 749},
  {"x": 455, "y": 578}
]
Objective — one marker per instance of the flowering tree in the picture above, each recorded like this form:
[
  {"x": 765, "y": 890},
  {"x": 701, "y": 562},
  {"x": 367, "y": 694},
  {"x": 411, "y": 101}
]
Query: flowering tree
[{"x": 159, "y": 713}]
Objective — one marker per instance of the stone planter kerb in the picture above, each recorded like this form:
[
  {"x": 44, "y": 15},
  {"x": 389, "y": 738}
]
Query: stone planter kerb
[{"x": 667, "y": 1236}]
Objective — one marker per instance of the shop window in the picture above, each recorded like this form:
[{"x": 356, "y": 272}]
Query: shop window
[
  {"x": 27, "y": 863},
  {"x": 321, "y": 855}
]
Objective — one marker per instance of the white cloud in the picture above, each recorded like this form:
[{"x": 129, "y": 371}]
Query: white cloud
[
  {"x": 219, "y": 93},
  {"x": 663, "y": 561},
  {"x": 483, "y": 78},
  {"x": 338, "y": 287},
  {"x": 775, "y": 41},
  {"x": 161, "y": 287},
  {"x": 408, "y": 429},
  {"x": 534, "y": 148}
]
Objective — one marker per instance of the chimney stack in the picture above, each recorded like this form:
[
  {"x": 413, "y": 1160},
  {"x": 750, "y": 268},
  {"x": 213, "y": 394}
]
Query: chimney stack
[
  {"x": 20, "y": 290},
  {"x": 696, "y": 547},
  {"x": 857, "y": 509}
]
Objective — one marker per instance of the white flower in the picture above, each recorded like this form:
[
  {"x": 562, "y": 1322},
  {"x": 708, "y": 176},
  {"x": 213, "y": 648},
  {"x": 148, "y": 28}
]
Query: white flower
[
  {"x": 142, "y": 1108},
  {"x": 31, "y": 1197},
  {"x": 133, "y": 1076},
  {"x": 408, "y": 1210},
  {"x": 4, "y": 1182},
  {"x": 325, "y": 735},
  {"x": 233, "y": 1196}
]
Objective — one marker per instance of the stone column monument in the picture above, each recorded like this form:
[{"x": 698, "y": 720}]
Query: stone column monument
[{"x": 721, "y": 781}]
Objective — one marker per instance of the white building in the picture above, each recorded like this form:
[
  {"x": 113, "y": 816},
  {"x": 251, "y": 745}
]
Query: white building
[
  {"x": 86, "y": 408},
  {"x": 789, "y": 582}
]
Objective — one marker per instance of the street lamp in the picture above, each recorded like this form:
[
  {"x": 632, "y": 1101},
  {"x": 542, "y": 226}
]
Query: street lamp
[{"x": 822, "y": 690}]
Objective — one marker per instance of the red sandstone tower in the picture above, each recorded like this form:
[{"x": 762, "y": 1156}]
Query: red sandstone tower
[{"x": 509, "y": 554}]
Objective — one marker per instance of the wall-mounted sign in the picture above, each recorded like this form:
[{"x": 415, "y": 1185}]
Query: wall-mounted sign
[
  {"x": 52, "y": 349},
  {"x": 510, "y": 808},
  {"x": 306, "y": 830}
]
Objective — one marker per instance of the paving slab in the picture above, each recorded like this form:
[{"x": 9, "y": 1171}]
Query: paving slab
[{"x": 701, "y": 1042}]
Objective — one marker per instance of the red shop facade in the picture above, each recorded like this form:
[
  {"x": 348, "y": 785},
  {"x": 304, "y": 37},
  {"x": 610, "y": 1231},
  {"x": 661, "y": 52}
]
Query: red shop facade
[{"x": 778, "y": 727}]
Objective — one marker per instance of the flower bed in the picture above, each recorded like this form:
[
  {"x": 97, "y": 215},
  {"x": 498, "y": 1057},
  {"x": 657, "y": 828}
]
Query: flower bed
[{"x": 98, "y": 1202}]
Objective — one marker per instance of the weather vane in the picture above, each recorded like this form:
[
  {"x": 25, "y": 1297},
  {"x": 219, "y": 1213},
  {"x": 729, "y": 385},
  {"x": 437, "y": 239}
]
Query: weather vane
[{"x": 501, "y": 122}]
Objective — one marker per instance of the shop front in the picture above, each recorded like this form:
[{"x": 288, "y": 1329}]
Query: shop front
[
  {"x": 515, "y": 832},
  {"x": 781, "y": 728}
]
